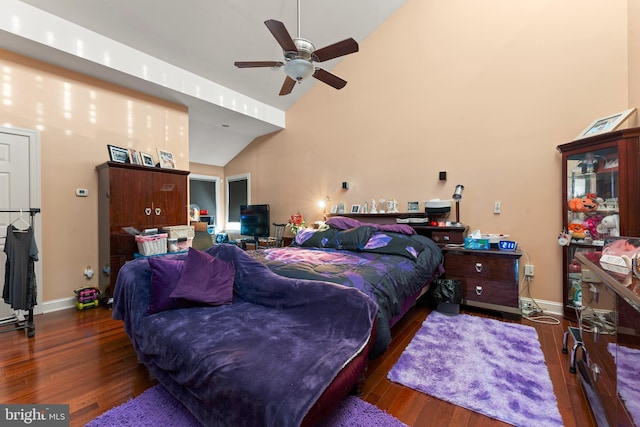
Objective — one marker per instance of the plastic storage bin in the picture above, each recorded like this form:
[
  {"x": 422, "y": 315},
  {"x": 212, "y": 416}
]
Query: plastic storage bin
[
  {"x": 155, "y": 244},
  {"x": 185, "y": 244}
]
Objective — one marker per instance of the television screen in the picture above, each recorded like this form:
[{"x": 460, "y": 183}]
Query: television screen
[{"x": 254, "y": 220}]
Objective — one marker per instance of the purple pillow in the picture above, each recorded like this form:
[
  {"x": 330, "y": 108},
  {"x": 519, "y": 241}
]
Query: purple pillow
[
  {"x": 344, "y": 223},
  {"x": 398, "y": 228},
  {"x": 205, "y": 279},
  {"x": 165, "y": 274}
]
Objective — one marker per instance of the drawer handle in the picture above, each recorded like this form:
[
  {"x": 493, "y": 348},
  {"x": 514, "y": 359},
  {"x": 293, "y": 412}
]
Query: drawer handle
[
  {"x": 446, "y": 238},
  {"x": 158, "y": 211},
  {"x": 478, "y": 267},
  {"x": 147, "y": 211},
  {"x": 595, "y": 371},
  {"x": 478, "y": 290}
]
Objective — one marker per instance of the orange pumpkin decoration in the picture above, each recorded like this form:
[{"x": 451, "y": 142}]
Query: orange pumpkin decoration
[{"x": 583, "y": 204}]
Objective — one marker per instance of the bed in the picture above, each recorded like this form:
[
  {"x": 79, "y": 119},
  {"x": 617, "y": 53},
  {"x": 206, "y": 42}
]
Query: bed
[
  {"x": 260, "y": 349},
  {"x": 388, "y": 262}
]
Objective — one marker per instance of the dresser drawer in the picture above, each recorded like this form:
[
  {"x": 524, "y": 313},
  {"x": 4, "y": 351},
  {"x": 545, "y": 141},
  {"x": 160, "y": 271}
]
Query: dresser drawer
[
  {"x": 480, "y": 266},
  {"x": 498, "y": 293},
  {"x": 447, "y": 236}
]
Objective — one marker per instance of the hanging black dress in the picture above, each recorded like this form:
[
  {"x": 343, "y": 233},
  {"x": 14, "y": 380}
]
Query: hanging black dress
[{"x": 19, "y": 273}]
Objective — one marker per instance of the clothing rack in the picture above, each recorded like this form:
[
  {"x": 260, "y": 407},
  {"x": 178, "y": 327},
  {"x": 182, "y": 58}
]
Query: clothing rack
[{"x": 18, "y": 321}]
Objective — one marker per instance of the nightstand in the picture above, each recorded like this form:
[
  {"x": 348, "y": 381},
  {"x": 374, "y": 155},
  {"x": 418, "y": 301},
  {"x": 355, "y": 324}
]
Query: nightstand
[
  {"x": 490, "y": 278},
  {"x": 443, "y": 235}
]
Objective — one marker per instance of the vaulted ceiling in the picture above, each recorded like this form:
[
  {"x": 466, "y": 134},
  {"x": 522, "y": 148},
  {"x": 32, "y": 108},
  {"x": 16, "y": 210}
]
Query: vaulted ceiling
[{"x": 190, "y": 46}]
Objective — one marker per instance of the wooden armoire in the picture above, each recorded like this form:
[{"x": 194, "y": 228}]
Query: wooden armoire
[{"x": 134, "y": 196}]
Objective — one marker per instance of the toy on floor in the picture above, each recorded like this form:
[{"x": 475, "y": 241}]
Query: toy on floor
[{"x": 86, "y": 297}]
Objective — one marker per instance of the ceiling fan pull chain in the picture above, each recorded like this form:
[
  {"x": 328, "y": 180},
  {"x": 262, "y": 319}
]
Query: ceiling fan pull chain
[{"x": 298, "y": 18}]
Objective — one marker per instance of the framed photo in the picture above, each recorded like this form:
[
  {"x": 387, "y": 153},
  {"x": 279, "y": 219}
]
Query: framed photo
[
  {"x": 165, "y": 159},
  {"x": 118, "y": 154},
  {"x": 606, "y": 124},
  {"x": 135, "y": 159},
  {"x": 334, "y": 209},
  {"x": 413, "y": 206},
  {"x": 147, "y": 159},
  {"x": 340, "y": 208},
  {"x": 355, "y": 208}
]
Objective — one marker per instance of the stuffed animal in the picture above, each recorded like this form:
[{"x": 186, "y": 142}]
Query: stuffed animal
[
  {"x": 583, "y": 204},
  {"x": 610, "y": 225},
  {"x": 591, "y": 223},
  {"x": 578, "y": 231}
]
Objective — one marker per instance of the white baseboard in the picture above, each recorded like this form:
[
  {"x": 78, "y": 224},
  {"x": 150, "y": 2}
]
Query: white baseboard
[
  {"x": 57, "y": 304},
  {"x": 548, "y": 307}
]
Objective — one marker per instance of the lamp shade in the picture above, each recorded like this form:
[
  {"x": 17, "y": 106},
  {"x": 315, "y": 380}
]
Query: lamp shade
[
  {"x": 457, "y": 195},
  {"x": 298, "y": 69}
]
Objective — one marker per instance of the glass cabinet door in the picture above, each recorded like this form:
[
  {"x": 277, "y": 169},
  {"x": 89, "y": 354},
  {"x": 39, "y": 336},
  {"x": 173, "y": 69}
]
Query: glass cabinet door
[
  {"x": 593, "y": 191},
  {"x": 592, "y": 207}
]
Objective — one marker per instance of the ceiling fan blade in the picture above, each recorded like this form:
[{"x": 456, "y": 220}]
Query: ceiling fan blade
[
  {"x": 345, "y": 47},
  {"x": 330, "y": 79},
  {"x": 287, "y": 86},
  {"x": 281, "y": 35},
  {"x": 254, "y": 64}
]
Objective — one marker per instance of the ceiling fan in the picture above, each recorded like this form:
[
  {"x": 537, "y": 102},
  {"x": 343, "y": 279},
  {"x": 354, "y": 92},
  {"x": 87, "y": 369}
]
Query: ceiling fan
[{"x": 300, "y": 55}]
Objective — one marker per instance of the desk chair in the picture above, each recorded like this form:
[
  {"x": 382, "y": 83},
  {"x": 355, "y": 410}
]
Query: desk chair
[{"x": 278, "y": 231}]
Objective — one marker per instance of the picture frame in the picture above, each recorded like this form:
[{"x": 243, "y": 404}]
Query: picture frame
[
  {"x": 355, "y": 208},
  {"x": 118, "y": 154},
  {"x": 334, "y": 209},
  {"x": 606, "y": 124},
  {"x": 147, "y": 160},
  {"x": 166, "y": 160},
  {"x": 340, "y": 208},
  {"x": 135, "y": 159},
  {"x": 413, "y": 206}
]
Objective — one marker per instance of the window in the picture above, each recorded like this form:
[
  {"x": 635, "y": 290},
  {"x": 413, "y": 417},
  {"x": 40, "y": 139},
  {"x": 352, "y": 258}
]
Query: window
[{"x": 238, "y": 193}]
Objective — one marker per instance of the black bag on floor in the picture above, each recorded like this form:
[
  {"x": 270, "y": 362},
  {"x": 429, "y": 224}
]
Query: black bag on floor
[{"x": 446, "y": 295}]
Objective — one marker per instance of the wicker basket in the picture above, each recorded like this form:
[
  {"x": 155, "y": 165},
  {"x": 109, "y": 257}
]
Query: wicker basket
[{"x": 155, "y": 244}]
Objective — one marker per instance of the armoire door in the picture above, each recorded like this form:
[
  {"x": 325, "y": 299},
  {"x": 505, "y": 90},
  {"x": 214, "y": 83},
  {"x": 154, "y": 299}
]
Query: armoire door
[{"x": 169, "y": 199}]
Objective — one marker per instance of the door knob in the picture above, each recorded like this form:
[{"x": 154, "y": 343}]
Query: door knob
[
  {"x": 479, "y": 267},
  {"x": 147, "y": 211}
]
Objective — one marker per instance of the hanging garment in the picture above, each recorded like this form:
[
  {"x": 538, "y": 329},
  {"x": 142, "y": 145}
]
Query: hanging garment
[{"x": 19, "y": 275}]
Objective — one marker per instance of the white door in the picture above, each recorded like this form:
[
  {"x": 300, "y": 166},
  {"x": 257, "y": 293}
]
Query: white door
[{"x": 18, "y": 154}]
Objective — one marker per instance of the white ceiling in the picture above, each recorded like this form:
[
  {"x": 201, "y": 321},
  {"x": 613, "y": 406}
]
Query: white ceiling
[{"x": 203, "y": 38}]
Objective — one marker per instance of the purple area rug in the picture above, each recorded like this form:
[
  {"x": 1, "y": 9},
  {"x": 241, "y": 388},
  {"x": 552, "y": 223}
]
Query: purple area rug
[
  {"x": 628, "y": 377},
  {"x": 488, "y": 366},
  {"x": 157, "y": 407}
]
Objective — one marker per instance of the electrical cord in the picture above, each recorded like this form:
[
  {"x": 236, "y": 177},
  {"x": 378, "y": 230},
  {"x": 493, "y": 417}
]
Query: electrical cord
[{"x": 535, "y": 313}]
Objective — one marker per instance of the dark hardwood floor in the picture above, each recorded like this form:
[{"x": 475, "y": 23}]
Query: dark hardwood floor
[{"x": 84, "y": 359}]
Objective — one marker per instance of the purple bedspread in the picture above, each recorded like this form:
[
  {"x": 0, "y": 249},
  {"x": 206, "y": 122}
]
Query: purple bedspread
[
  {"x": 387, "y": 279},
  {"x": 262, "y": 360}
]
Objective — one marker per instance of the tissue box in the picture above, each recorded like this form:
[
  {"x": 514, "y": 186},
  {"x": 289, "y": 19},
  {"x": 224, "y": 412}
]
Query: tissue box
[{"x": 475, "y": 243}]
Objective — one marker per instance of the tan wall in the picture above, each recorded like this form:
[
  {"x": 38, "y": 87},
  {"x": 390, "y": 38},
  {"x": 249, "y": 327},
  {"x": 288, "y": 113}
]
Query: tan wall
[
  {"x": 482, "y": 90},
  {"x": 634, "y": 57},
  {"x": 72, "y": 144}
]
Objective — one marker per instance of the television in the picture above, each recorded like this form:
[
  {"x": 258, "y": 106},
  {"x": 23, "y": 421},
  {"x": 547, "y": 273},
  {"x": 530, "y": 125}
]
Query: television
[{"x": 254, "y": 220}]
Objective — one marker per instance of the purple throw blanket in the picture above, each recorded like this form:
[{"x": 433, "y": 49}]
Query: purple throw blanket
[{"x": 264, "y": 359}]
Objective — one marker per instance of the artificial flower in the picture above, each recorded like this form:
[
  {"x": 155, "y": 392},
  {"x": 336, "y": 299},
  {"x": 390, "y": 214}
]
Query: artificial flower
[{"x": 296, "y": 222}]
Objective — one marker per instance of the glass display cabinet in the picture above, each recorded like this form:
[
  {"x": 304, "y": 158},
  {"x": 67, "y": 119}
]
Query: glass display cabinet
[{"x": 600, "y": 199}]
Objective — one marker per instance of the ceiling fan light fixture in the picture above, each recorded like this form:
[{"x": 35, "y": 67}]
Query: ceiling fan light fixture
[{"x": 299, "y": 69}]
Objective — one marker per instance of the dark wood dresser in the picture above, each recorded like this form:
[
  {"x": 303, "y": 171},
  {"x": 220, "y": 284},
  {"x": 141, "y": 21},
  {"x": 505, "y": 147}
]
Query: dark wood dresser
[
  {"x": 490, "y": 278},
  {"x": 610, "y": 317}
]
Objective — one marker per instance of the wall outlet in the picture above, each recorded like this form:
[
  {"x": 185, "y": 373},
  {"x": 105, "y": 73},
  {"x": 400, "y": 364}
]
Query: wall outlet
[
  {"x": 497, "y": 207},
  {"x": 528, "y": 270}
]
